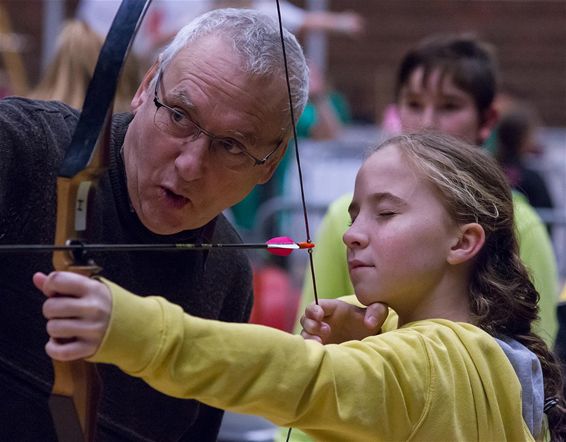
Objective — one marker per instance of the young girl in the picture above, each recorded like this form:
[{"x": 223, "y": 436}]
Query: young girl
[{"x": 431, "y": 237}]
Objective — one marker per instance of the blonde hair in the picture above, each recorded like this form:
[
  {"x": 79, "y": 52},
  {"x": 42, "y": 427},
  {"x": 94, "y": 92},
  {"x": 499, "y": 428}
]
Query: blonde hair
[{"x": 68, "y": 74}]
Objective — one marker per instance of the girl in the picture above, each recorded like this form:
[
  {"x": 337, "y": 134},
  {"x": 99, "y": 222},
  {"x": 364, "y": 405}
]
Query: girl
[{"x": 431, "y": 237}]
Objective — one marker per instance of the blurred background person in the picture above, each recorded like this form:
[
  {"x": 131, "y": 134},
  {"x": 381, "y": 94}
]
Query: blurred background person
[
  {"x": 165, "y": 17},
  {"x": 67, "y": 76},
  {"x": 327, "y": 110},
  {"x": 515, "y": 143}
]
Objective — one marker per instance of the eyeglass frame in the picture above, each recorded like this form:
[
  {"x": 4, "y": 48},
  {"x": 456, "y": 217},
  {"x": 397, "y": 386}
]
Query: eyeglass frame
[{"x": 159, "y": 104}]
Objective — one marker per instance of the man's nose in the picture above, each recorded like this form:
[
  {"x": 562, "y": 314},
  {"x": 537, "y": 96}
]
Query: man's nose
[{"x": 193, "y": 158}]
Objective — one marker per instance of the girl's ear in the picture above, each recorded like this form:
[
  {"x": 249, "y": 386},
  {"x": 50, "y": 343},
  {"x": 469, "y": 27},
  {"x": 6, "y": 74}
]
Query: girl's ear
[
  {"x": 142, "y": 92},
  {"x": 470, "y": 241}
]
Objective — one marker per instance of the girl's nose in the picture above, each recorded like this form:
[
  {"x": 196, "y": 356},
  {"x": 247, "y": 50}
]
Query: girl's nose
[{"x": 355, "y": 236}]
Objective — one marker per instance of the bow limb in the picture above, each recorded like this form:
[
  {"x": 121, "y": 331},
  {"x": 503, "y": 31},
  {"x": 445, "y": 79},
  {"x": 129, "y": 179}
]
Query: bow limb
[{"x": 76, "y": 387}]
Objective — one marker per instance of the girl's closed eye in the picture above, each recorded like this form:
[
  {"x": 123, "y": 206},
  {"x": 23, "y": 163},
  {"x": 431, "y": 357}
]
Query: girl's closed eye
[{"x": 387, "y": 213}]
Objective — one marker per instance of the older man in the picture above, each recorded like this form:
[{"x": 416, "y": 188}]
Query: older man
[{"x": 209, "y": 121}]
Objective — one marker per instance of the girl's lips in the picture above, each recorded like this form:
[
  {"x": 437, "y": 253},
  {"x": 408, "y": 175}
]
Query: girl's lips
[{"x": 355, "y": 264}]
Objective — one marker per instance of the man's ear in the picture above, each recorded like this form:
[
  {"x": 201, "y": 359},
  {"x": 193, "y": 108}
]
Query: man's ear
[
  {"x": 469, "y": 242},
  {"x": 489, "y": 119},
  {"x": 143, "y": 89},
  {"x": 273, "y": 162}
]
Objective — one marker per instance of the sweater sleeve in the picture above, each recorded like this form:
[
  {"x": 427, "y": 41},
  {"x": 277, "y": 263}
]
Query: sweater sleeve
[
  {"x": 258, "y": 370},
  {"x": 429, "y": 380},
  {"x": 33, "y": 137}
]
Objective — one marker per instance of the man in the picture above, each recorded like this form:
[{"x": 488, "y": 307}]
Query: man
[
  {"x": 209, "y": 121},
  {"x": 445, "y": 84}
]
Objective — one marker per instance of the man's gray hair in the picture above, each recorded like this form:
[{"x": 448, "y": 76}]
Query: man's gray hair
[{"x": 256, "y": 39}]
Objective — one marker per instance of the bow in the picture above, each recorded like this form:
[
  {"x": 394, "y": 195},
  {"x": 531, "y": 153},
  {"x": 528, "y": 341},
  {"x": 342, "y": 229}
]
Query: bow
[
  {"x": 76, "y": 386},
  {"x": 299, "y": 169},
  {"x": 297, "y": 153}
]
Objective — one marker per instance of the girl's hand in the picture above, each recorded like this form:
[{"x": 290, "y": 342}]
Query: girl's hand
[
  {"x": 77, "y": 312},
  {"x": 334, "y": 321}
]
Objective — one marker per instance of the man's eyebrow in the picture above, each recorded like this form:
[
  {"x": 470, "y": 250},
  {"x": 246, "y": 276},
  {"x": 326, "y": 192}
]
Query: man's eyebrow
[
  {"x": 183, "y": 97},
  {"x": 185, "y": 101}
]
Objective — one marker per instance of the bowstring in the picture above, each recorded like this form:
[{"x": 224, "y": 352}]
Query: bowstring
[
  {"x": 297, "y": 156},
  {"x": 298, "y": 160}
]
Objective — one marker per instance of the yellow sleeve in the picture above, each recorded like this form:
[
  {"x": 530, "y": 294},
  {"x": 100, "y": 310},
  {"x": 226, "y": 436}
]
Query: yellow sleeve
[
  {"x": 259, "y": 370},
  {"x": 392, "y": 386}
]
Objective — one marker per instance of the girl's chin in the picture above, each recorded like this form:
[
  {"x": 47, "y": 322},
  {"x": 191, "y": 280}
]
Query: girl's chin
[{"x": 367, "y": 298}]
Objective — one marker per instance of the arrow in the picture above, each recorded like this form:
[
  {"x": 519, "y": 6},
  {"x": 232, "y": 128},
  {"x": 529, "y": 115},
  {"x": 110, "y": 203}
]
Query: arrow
[{"x": 281, "y": 246}]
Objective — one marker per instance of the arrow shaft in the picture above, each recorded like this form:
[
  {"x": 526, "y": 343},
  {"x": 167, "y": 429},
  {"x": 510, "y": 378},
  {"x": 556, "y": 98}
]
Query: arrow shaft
[{"x": 38, "y": 248}]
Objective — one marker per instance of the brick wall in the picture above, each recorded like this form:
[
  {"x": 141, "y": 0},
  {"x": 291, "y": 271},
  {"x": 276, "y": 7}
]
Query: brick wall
[{"x": 530, "y": 37}]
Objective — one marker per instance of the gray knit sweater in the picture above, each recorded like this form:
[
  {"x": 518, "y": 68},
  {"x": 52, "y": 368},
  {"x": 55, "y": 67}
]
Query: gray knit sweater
[{"x": 33, "y": 137}]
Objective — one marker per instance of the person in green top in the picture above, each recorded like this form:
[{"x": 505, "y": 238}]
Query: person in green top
[{"x": 446, "y": 84}]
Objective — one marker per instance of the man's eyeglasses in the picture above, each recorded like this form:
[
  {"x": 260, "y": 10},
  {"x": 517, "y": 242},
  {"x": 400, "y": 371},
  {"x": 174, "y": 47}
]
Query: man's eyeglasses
[{"x": 227, "y": 152}]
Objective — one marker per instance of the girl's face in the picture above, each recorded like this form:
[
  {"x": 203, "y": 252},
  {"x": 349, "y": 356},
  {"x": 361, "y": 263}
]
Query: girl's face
[{"x": 400, "y": 236}]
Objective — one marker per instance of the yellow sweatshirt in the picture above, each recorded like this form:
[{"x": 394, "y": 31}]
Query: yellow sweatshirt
[{"x": 432, "y": 380}]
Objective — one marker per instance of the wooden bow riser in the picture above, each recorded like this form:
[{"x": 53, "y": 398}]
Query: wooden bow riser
[{"x": 76, "y": 386}]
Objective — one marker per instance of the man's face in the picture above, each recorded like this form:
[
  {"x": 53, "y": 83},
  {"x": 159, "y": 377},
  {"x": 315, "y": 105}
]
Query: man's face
[
  {"x": 176, "y": 183},
  {"x": 439, "y": 105}
]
